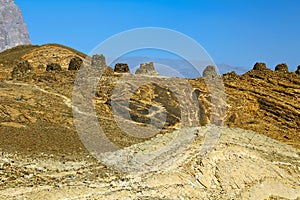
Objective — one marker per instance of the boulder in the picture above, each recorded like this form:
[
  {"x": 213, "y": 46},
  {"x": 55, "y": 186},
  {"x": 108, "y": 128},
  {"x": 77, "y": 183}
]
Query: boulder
[
  {"x": 260, "y": 66},
  {"x": 147, "y": 69},
  {"x": 210, "y": 71},
  {"x": 122, "y": 68},
  {"x": 75, "y": 63},
  {"x": 282, "y": 68},
  {"x": 53, "y": 67}
]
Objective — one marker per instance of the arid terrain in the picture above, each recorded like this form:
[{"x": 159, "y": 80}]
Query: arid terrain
[{"x": 255, "y": 154}]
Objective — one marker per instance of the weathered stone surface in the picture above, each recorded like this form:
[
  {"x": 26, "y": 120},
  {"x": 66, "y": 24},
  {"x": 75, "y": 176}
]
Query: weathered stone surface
[
  {"x": 242, "y": 165},
  {"x": 53, "y": 67},
  {"x": 75, "y": 63},
  {"x": 13, "y": 31},
  {"x": 260, "y": 66},
  {"x": 121, "y": 68},
  {"x": 147, "y": 69},
  {"x": 98, "y": 60},
  {"x": 210, "y": 72},
  {"x": 282, "y": 68}
]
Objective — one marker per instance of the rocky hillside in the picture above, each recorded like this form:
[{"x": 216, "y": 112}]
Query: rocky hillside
[
  {"x": 13, "y": 30},
  {"x": 43, "y": 154}
]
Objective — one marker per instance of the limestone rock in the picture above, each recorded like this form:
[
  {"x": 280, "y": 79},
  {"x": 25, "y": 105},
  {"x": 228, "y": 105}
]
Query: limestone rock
[
  {"x": 282, "y": 68},
  {"x": 98, "y": 60},
  {"x": 13, "y": 30},
  {"x": 210, "y": 71},
  {"x": 147, "y": 69},
  {"x": 121, "y": 68}
]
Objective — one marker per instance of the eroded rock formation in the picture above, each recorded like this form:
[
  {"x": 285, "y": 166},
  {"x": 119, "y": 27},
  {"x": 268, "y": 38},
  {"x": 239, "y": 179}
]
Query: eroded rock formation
[
  {"x": 210, "y": 71},
  {"x": 282, "y": 68},
  {"x": 75, "y": 63},
  {"x": 13, "y": 31},
  {"x": 147, "y": 69}
]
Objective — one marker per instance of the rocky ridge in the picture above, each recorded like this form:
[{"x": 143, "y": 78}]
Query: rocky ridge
[{"x": 13, "y": 30}]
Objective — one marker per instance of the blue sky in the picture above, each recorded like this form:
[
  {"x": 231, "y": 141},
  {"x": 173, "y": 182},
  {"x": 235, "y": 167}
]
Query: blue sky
[{"x": 234, "y": 32}]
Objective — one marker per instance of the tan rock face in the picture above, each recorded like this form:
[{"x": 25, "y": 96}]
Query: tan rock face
[{"x": 50, "y": 54}]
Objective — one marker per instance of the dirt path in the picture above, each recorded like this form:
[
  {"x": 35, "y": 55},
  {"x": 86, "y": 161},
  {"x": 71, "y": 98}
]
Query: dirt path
[{"x": 67, "y": 101}]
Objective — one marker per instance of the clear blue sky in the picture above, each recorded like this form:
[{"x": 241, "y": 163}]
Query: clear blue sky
[{"x": 235, "y": 32}]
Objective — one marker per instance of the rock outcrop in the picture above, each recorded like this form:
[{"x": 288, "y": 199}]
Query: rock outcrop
[
  {"x": 282, "y": 68},
  {"x": 210, "y": 71},
  {"x": 260, "y": 66},
  {"x": 147, "y": 69},
  {"x": 13, "y": 31}
]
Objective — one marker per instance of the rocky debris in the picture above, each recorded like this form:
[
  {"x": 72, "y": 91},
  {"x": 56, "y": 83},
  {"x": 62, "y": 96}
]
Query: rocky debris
[
  {"x": 13, "y": 30},
  {"x": 260, "y": 66},
  {"x": 21, "y": 70},
  {"x": 210, "y": 72},
  {"x": 298, "y": 70},
  {"x": 180, "y": 165},
  {"x": 121, "y": 68},
  {"x": 282, "y": 68},
  {"x": 147, "y": 69},
  {"x": 98, "y": 60},
  {"x": 75, "y": 63},
  {"x": 53, "y": 67}
]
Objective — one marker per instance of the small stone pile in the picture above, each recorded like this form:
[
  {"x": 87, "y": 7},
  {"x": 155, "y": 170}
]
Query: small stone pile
[
  {"x": 147, "y": 69},
  {"x": 210, "y": 72},
  {"x": 122, "y": 68},
  {"x": 282, "y": 68},
  {"x": 22, "y": 69},
  {"x": 260, "y": 66},
  {"x": 75, "y": 63},
  {"x": 98, "y": 60}
]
